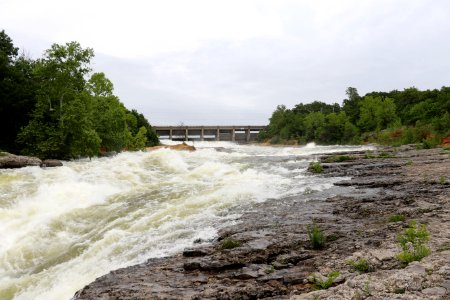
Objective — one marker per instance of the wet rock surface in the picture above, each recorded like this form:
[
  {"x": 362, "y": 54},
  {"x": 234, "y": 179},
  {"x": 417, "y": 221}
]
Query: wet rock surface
[
  {"x": 11, "y": 161},
  {"x": 270, "y": 255}
]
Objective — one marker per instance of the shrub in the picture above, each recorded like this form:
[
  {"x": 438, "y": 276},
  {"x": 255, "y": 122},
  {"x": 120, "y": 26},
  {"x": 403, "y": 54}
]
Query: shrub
[
  {"x": 320, "y": 284},
  {"x": 397, "y": 218},
  {"x": 229, "y": 244},
  {"x": 316, "y": 236},
  {"x": 413, "y": 242},
  {"x": 315, "y": 167},
  {"x": 360, "y": 265}
]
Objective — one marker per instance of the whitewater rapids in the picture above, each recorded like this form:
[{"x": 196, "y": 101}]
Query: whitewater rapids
[{"x": 63, "y": 227}]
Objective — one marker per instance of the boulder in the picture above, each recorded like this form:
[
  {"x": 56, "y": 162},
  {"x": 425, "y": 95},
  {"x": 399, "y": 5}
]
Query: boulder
[
  {"x": 178, "y": 147},
  {"x": 50, "y": 163},
  {"x": 11, "y": 161}
]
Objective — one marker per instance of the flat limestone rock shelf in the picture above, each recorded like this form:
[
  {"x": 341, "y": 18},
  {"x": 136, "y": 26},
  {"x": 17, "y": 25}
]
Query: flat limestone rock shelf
[{"x": 267, "y": 254}]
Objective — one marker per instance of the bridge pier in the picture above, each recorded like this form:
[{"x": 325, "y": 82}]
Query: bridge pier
[
  {"x": 218, "y": 134},
  {"x": 247, "y": 135},
  {"x": 233, "y": 134},
  {"x": 202, "y": 134}
]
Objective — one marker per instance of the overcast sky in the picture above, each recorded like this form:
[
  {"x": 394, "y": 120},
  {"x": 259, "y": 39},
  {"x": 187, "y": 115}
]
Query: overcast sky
[{"x": 232, "y": 62}]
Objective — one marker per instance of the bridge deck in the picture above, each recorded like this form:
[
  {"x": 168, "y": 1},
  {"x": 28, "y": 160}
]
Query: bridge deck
[{"x": 210, "y": 132}]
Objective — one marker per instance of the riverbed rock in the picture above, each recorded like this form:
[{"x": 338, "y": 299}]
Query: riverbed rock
[
  {"x": 178, "y": 147},
  {"x": 51, "y": 163},
  {"x": 11, "y": 161}
]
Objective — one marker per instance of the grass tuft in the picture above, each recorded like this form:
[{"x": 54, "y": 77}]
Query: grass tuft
[
  {"x": 315, "y": 167},
  {"x": 316, "y": 236},
  {"x": 229, "y": 244},
  {"x": 361, "y": 265},
  {"x": 397, "y": 218},
  {"x": 320, "y": 284}
]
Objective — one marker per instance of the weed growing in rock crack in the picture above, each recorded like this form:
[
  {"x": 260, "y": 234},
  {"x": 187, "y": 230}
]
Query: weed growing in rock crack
[
  {"x": 229, "y": 244},
  {"x": 385, "y": 155},
  {"x": 269, "y": 269},
  {"x": 315, "y": 167},
  {"x": 399, "y": 290},
  {"x": 397, "y": 218},
  {"x": 366, "y": 289},
  {"x": 369, "y": 154},
  {"x": 409, "y": 163},
  {"x": 361, "y": 265},
  {"x": 442, "y": 180},
  {"x": 316, "y": 236},
  {"x": 357, "y": 296},
  {"x": 320, "y": 284},
  {"x": 413, "y": 242}
]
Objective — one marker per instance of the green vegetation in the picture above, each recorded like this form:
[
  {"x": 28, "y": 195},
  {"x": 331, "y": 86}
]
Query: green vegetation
[
  {"x": 442, "y": 180},
  {"x": 361, "y": 265},
  {"x": 399, "y": 290},
  {"x": 315, "y": 167},
  {"x": 389, "y": 118},
  {"x": 56, "y": 107},
  {"x": 323, "y": 284},
  {"x": 229, "y": 244},
  {"x": 413, "y": 242},
  {"x": 385, "y": 155},
  {"x": 316, "y": 236},
  {"x": 409, "y": 163},
  {"x": 397, "y": 218},
  {"x": 270, "y": 269}
]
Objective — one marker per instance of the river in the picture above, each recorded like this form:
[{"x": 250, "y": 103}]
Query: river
[{"x": 63, "y": 227}]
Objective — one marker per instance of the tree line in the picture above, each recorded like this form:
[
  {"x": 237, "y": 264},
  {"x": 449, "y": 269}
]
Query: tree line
[
  {"x": 394, "y": 118},
  {"x": 56, "y": 107}
]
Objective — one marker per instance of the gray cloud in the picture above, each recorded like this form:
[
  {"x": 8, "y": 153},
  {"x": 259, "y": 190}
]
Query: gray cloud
[{"x": 321, "y": 50}]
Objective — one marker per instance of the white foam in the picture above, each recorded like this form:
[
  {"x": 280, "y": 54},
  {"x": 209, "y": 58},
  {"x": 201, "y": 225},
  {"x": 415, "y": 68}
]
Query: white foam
[{"x": 63, "y": 227}]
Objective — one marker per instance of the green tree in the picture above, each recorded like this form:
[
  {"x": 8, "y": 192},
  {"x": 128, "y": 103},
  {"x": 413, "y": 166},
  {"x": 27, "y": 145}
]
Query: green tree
[
  {"x": 109, "y": 118},
  {"x": 376, "y": 113},
  {"x": 61, "y": 98},
  {"x": 351, "y": 104},
  {"x": 138, "y": 141},
  {"x": 17, "y": 92},
  {"x": 314, "y": 126},
  {"x": 141, "y": 121}
]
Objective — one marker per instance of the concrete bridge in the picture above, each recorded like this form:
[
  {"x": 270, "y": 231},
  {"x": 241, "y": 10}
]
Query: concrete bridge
[{"x": 209, "y": 133}]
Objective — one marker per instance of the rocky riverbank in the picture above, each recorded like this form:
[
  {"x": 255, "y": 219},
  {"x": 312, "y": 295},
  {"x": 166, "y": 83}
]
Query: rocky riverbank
[{"x": 268, "y": 254}]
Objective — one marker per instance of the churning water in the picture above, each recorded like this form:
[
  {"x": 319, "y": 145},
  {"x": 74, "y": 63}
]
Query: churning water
[{"x": 63, "y": 227}]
